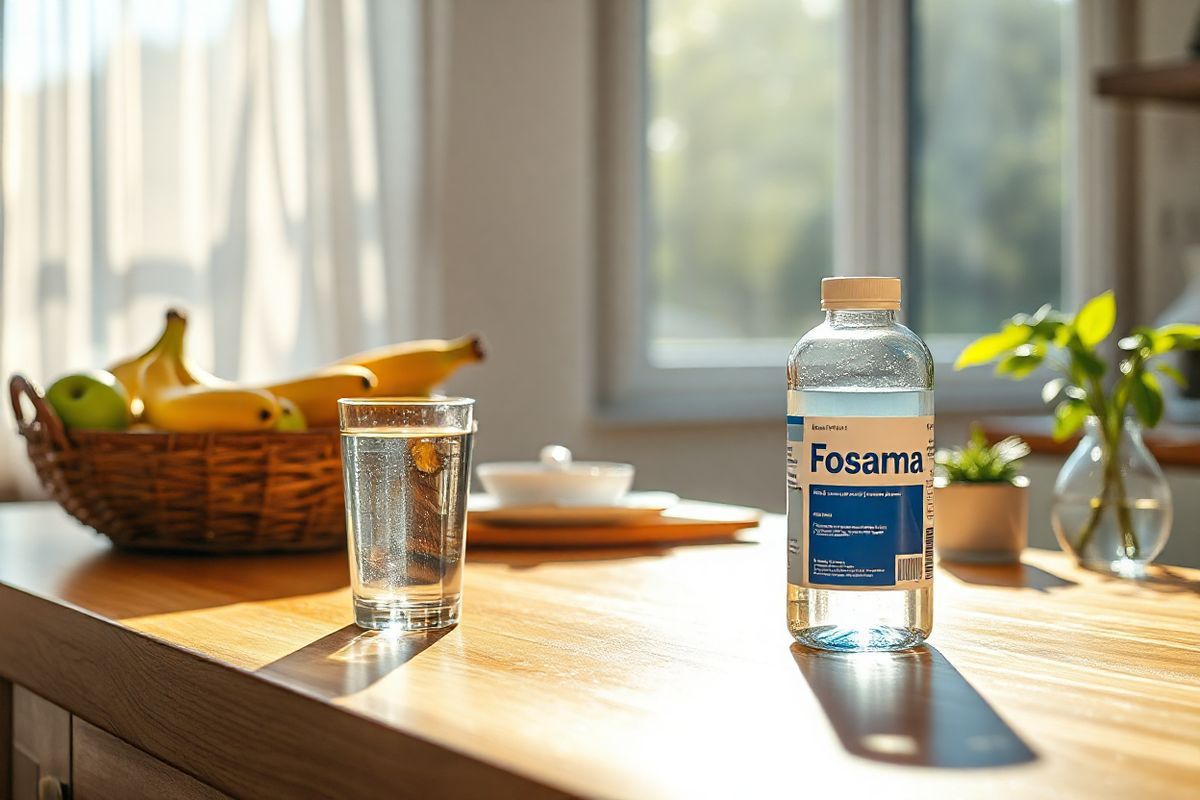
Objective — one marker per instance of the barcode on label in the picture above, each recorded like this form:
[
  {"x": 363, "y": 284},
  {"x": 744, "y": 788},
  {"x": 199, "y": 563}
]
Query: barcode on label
[
  {"x": 929, "y": 553},
  {"x": 909, "y": 568}
]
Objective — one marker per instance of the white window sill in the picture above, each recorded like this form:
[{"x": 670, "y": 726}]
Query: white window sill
[{"x": 977, "y": 392}]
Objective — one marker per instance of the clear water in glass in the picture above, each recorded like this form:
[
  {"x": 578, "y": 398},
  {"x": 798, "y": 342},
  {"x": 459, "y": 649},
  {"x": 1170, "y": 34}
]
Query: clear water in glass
[{"x": 406, "y": 499}]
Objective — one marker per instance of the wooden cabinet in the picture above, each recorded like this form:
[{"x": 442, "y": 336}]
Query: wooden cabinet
[
  {"x": 41, "y": 747},
  {"x": 50, "y": 755},
  {"x": 106, "y": 768}
]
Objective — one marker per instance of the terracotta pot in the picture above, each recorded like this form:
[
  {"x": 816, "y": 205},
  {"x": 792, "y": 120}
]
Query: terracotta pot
[{"x": 981, "y": 523}]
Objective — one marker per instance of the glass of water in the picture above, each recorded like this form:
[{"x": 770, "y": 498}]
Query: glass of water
[{"x": 407, "y": 467}]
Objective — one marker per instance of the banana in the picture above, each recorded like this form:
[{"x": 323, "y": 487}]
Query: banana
[
  {"x": 198, "y": 409},
  {"x": 417, "y": 368},
  {"x": 316, "y": 395},
  {"x": 158, "y": 371},
  {"x": 169, "y": 392},
  {"x": 128, "y": 372},
  {"x": 190, "y": 373},
  {"x": 173, "y": 404}
]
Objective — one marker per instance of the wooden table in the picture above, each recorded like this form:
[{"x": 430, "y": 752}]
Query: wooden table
[{"x": 642, "y": 674}]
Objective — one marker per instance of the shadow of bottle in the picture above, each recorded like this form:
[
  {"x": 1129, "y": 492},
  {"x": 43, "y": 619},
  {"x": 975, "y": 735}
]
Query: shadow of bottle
[{"x": 911, "y": 707}]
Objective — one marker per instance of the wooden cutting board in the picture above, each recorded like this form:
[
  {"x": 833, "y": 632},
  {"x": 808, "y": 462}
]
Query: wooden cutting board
[{"x": 687, "y": 521}]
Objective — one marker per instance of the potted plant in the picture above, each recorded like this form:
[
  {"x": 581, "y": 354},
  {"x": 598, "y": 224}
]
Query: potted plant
[
  {"x": 981, "y": 501},
  {"x": 1112, "y": 506}
]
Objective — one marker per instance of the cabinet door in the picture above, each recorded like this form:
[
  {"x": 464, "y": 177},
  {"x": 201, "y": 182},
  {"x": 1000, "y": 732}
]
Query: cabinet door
[
  {"x": 41, "y": 747},
  {"x": 6, "y": 741},
  {"x": 107, "y": 768}
]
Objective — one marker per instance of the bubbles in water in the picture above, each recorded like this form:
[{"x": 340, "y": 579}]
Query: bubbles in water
[{"x": 406, "y": 509}]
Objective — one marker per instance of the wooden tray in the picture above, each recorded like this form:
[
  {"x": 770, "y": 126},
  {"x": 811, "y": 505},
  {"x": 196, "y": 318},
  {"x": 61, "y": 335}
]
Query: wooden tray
[{"x": 688, "y": 521}]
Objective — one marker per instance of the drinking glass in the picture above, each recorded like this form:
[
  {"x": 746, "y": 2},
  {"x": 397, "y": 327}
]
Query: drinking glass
[{"x": 407, "y": 468}]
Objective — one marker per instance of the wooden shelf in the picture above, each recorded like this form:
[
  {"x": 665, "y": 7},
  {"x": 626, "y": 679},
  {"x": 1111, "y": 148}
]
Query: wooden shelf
[
  {"x": 1171, "y": 444},
  {"x": 1172, "y": 82}
]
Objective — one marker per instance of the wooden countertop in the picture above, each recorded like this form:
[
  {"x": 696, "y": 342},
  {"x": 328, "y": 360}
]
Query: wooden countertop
[{"x": 642, "y": 673}]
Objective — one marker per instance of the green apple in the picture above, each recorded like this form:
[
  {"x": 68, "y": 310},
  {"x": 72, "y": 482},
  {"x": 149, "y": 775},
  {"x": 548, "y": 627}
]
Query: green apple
[
  {"x": 93, "y": 400},
  {"x": 291, "y": 418}
]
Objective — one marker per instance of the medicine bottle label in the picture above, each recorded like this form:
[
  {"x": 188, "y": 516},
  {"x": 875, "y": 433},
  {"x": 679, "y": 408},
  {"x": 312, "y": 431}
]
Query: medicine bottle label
[{"x": 860, "y": 502}]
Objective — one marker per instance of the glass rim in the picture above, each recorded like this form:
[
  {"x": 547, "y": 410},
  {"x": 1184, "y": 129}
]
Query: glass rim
[{"x": 402, "y": 401}]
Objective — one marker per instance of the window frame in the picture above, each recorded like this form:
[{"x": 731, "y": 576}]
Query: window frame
[{"x": 871, "y": 221}]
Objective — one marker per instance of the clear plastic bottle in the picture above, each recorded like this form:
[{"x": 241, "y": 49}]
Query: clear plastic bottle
[{"x": 860, "y": 474}]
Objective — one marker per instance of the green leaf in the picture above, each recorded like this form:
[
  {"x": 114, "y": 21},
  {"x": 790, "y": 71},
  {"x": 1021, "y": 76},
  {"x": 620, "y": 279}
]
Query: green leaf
[
  {"x": 979, "y": 462},
  {"x": 1050, "y": 329},
  {"x": 1053, "y": 389},
  {"x": 1068, "y": 417},
  {"x": 1135, "y": 341},
  {"x": 1095, "y": 320},
  {"x": 1010, "y": 450},
  {"x": 1179, "y": 336},
  {"x": 1144, "y": 342},
  {"x": 978, "y": 438},
  {"x": 992, "y": 346},
  {"x": 1085, "y": 359},
  {"x": 1045, "y": 324},
  {"x": 1075, "y": 393},
  {"x": 1173, "y": 374},
  {"x": 1146, "y": 398},
  {"x": 1023, "y": 361},
  {"x": 1165, "y": 344},
  {"x": 1180, "y": 329}
]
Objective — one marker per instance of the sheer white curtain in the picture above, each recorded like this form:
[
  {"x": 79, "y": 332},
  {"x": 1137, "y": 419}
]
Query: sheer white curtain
[{"x": 257, "y": 163}]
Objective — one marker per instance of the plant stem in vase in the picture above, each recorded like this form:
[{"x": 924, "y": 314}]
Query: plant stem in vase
[
  {"x": 1112, "y": 505},
  {"x": 1111, "y": 473}
]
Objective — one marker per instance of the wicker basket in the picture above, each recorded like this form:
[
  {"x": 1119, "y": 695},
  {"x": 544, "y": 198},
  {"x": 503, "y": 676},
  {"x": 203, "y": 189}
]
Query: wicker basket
[{"x": 193, "y": 492}]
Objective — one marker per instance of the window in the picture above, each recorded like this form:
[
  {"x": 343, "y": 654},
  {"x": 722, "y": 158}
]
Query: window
[
  {"x": 755, "y": 125},
  {"x": 740, "y": 133},
  {"x": 989, "y": 133}
]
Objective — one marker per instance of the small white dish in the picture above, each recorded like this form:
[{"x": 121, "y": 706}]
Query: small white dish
[
  {"x": 556, "y": 480},
  {"x": 632, "y": 507}
]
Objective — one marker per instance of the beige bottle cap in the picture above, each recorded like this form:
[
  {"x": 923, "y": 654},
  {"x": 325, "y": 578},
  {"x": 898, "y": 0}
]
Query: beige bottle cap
[{"x": 867, "y": 293}]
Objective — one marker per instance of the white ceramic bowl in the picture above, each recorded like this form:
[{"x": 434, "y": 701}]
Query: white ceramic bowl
[{"x": 556, "y": 480}]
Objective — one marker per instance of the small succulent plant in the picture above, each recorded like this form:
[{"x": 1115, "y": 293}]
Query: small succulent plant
[{"x": 979, "y": 462}]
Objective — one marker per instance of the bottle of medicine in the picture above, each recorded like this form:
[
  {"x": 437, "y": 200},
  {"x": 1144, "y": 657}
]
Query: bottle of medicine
[{"x": 860, "y": 474}]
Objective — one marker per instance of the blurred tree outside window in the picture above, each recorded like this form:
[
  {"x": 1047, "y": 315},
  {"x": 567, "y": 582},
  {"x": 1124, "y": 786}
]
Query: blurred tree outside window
[
  {"x": 741, "y": 129},
  {"x": 991, "y": 131},
  {"x": 741, "y": 126}
]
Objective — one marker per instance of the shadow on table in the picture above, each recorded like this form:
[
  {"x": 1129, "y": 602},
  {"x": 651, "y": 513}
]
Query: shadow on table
[
  {"x": 350, "y": 659},
  {"x": 910, "y": 707},
  {"x": 1016, "y": 576}
]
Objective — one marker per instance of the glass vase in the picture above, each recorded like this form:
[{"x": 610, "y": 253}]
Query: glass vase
[{"x": 1112, "y": 506}]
